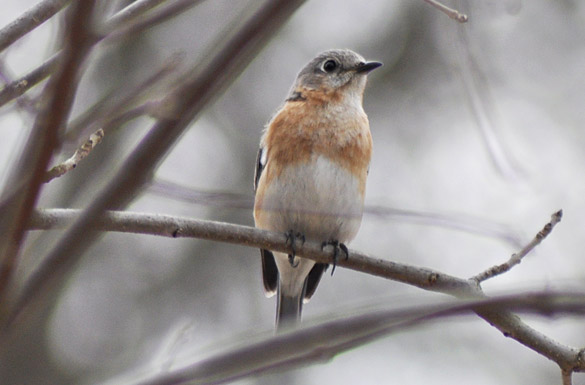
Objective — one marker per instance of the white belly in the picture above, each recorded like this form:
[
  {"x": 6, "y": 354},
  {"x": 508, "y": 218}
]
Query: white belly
[{"x": 321, "y": 201}]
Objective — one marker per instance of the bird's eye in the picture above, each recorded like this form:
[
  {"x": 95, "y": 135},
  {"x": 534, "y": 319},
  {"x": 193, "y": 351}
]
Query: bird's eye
[{"x": 329, "y": 66}]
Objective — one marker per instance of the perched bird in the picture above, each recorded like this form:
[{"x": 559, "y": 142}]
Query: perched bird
[{"x": 311, "y": 173}]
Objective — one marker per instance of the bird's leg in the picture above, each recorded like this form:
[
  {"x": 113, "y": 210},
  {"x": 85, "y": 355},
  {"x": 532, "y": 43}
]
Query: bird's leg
[
  {"x": 291, "y": 237},
  {"x": 337, "y": 247}
]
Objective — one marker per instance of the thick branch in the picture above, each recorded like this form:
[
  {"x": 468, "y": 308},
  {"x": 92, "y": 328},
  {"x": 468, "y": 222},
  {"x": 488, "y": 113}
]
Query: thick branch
[
  {"x": 510, "y": 325},
  {"x": 321, "y": 342}
]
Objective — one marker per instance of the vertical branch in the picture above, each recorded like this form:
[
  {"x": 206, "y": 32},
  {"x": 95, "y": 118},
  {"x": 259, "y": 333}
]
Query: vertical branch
[
  {"x": 482, "y": 106},
  {"x": 23, "y": 187}
]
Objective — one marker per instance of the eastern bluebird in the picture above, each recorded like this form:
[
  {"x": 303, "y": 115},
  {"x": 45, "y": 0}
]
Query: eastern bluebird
[{"x": 311, "y": 173}]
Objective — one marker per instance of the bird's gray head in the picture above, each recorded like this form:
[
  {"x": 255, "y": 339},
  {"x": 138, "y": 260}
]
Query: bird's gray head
[{"x": 334, "y": 69}]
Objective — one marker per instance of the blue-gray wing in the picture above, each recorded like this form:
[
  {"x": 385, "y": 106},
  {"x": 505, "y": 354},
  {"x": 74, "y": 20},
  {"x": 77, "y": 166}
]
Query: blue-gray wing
[
  {"x": 260, "y": 163},
  {"x": 269, "y": 270}
]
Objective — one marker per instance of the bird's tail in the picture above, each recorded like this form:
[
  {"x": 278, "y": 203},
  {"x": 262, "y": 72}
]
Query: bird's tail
[{"x": 288, "y": 311}]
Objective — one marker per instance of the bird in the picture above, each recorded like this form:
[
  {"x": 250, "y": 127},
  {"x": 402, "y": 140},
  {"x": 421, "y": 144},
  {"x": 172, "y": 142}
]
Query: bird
[{"x": 310, "y": 175}]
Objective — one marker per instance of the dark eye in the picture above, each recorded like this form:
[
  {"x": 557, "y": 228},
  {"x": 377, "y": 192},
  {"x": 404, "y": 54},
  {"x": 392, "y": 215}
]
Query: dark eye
[{"x": 329, "y": 65}]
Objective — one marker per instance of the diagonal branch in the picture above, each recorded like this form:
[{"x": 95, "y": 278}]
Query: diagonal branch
[
  {"x": 28, "y": 21},
  {"x": 516, "y": 258},
  {"x": 79, "y": 154},
  {"x": 124, "y": 24},
  {"x": 568, "y": 358},
  {"x": 322, "y": 342},
  {"x": 19, "y": 86},
  {"x": 452, "y": 13}
]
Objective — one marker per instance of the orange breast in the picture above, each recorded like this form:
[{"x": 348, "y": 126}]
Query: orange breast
[{"x": 321, "y": 124}]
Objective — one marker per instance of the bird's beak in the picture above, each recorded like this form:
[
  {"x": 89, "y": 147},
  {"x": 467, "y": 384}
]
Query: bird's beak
[{"x": 367, "y": 67}]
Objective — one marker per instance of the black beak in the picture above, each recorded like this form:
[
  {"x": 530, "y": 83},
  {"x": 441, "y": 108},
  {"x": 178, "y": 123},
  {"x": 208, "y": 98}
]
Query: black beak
[{"x": 367, "y": 67}]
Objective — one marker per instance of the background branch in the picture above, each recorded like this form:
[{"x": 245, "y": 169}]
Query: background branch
[
  {"x": 321, "y": 342},
  {"x": 20, "y": 86},
  {"x": 452, "y": 13},
  {"x": 28, "y": 21}
]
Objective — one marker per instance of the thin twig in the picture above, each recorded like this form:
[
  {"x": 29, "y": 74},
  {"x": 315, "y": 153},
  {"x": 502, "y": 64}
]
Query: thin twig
[
  {"x": 112, "y": 109},
  {"x": 28, "y": 21},
  {"x": 452, "y": 13},
  {"x": 18, "y": 87},
  {"x": 132, "y": 11},
  {"x": 114, "y": 26},
  {"x": 80, "y": 154},
  {"x": 567, "y": 377},
  {"x": 482, "y": 104},
  {"x": 509, "y": 324},
  {"x": 516, "y": 258}
]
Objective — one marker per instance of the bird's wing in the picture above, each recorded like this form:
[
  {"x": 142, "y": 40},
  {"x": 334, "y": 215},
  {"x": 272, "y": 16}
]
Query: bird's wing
[
  {"x": 269, "y": 272},
  {"x": 260, "y": 164}
]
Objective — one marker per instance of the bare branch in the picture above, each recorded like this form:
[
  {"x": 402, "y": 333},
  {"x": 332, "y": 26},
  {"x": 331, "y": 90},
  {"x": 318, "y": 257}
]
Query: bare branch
[
  {"x": 482, "y": 105},
  {"x": 28, "y": 21},
  {"x": 114, "y": 26},
  {"x": 509, "y": 324},
  {"x": 227, "y": 199},
  {"x": 567, "y": 377},
  {"x": 516, "y": 258},
  {"x": 452, "y": 13},
  {"x": 133, "y": 10},
  {"x": 78, "y": 156},
  {"x": 18, "y": 87},
  {"x": 110, "y": 111},
  {"x": 27, "y": 177},
  {"x": 116, "y": 29},
  {"x": 322, "y": 342}
]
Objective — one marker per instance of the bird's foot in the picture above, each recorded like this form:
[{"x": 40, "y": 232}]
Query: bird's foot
[
  {"x": 291, "y": 238},
  {"x": 338, "y": 247}
]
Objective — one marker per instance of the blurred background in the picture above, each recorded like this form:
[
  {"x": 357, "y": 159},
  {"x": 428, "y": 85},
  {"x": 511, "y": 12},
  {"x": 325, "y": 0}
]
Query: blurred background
[{"x": 478, "y": 139}]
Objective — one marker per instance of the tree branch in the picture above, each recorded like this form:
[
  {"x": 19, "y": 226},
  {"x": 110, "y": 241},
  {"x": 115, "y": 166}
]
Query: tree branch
[
  {"x": 516, "y": 258},
  {"x": 452, "y": 13},
  {"x": 28, "y": 21},
  {"x": 112, "y": 109},
  {"x": 320, "y": 343},
  {"x": 80, "y": 154},
  {"x": 114, "y": 26},
  {"x": 568, "y": 358},
  {"x": 18, "y": 87}
]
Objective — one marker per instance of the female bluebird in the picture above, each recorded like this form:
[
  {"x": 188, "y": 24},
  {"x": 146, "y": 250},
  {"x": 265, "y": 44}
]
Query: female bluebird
[{"x": 311, "y": 173}]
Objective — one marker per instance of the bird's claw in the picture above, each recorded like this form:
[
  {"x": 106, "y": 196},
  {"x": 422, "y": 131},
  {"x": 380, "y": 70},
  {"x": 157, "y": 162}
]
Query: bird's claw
[
  {"x": 337, "y": 247},
  {"x": 291, "y": 237}
]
